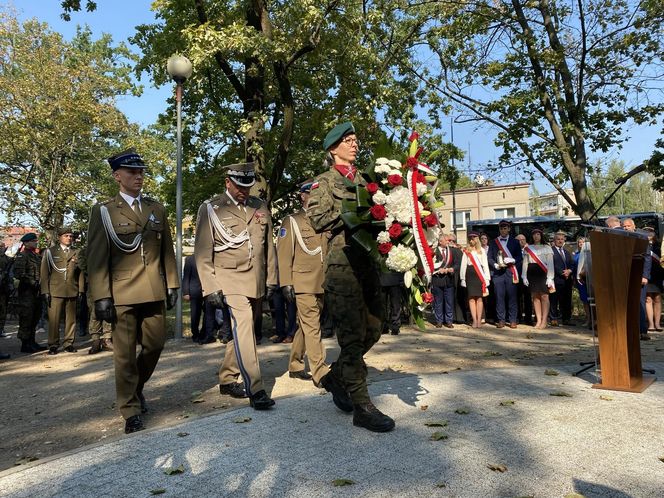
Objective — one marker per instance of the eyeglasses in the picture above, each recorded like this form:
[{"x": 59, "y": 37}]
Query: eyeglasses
[{"x": 351, "y": 141}]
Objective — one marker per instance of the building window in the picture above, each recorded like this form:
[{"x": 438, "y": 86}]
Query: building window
[
  {"x": 459, "y": 221},
  {"x": 504, "y": 213}
]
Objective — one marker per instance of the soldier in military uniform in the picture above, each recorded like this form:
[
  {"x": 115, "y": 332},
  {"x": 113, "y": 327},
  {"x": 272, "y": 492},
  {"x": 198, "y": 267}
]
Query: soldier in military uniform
[
  {"x": 26, "y": 269},
  {"x": 352, "y": 281},
  {"x": 301, "y": 253},
  {"x": 61, "y": 283},
  {"x": 131, "y": 266},
  {"x": 235, "y": 258},
  {"x": 100, "y": 331},
  {"x": 5, "y": 265}
]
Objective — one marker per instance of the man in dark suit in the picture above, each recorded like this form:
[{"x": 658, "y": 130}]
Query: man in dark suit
[
  {"x": 192, "y": 291},
  {"x": 525, "y": 301},
  {"x": 392, "y": 285},
  {"x": 505, "y": 261},
  {"x": 629, "y": 225},
  {"x": 447, "y": 263},
  {"x": 561, "y": 300}
]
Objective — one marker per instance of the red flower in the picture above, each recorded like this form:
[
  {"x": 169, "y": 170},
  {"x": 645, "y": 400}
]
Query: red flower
[
  {"x": 419, "y": 177},
  {"x": 372, "y": 188},
  {"x": 385, "y": 247},
  {"x": 420, "y": 272},
  {"x": 413, "y": 136},
  {"x": 394, "y": 180},
  {"x": 395, "y": 230},
  {"x": 431, "y": 220},
  {"x": 378, "y": 212},
  {"x": 427, "y": 297},
  {"x": 412, "y": 163}
]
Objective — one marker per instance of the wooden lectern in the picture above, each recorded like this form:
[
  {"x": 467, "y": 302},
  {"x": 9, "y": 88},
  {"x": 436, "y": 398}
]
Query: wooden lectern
[{"x": 617, "y": 261}]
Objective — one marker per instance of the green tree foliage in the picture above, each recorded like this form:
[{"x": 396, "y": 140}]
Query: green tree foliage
[
  {"x": 59, "y": 121},
  {"x": 270, "y": 79},
  {"x": 560, "y": 81},
  {"x": 637, "y": 195}
]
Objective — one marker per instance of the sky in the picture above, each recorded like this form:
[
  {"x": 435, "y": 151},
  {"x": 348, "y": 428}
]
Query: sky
[{"x": 119, "y": 17}]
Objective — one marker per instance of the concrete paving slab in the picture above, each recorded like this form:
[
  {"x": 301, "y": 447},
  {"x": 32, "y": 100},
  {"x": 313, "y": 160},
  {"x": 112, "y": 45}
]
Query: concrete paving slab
[{"x": 550, "y": 445}]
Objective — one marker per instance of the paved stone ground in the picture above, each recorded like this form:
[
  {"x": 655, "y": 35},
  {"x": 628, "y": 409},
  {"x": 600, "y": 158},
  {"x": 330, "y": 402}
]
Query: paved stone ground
[{"x": 592, "y": 442}]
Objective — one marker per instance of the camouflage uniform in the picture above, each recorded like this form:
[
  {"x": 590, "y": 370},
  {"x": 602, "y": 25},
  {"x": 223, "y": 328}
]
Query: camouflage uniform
[
  {"x": 26, "y": 270},
  {"x": 352, "y": 283},
  {"x": 5, "y": 264}
]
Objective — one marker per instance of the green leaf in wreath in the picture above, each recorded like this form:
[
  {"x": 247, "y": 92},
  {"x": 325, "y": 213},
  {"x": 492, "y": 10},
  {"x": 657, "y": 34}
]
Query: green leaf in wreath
[
  {"x": 408, "y": 238},
  {"x": 348, "y": 206},
  {"x": 365, "y": 240},
  {"x": 352, "y": 220},
  {"x": 363, "y": 197}
]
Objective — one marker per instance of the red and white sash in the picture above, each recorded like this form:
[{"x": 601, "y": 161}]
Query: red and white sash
[
  {"x": 478, "y": 270},
  {"x": 511, "y": 268},
  {"x": 535, "y": 259}
]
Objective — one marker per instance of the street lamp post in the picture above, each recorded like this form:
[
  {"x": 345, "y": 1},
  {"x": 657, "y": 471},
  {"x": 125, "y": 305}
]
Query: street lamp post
[{"x": 179, "y": 68}]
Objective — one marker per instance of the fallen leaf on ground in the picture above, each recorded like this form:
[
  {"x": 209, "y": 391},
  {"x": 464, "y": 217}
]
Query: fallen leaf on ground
[
  {"x": 198, "y": 400},
  {"x": 551, "y": 371},
  {"x": 436, "y": 423},
  {"x": 462, "y": 411},
  {"x": 441, "y": 485},
  {"x": 561, "y": 393},
  {"x": 575, "y": 495},
  {"x": 25, "y": 459},
  {"x": 242, "y": 420},
  {"x": 183, "y": 434},
  {"x": 219, "y": 407},
  {"x": 497, "y": 468},
  {"x": 529, "y": 335},
  {"x": 507, "y": 402},
  {"x": 158, "y": 491},
  {"x": 424, "y": 407},
  {"x": 492, "y": 353},
  {"x": 438, "y": 436},
  {"x": 171, "y": 471},
  {"x": 661, "y": 459},
  {"x": 342, "y": 482},
  {"x": 606, "y": 398}
]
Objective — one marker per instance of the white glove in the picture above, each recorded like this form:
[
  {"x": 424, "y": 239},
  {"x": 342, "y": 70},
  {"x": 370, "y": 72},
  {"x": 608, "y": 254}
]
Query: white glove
[
  {"x": 463, "y": 283},
  {"x": 525, "y": 281},
  {"x": 550, "y": 284},
  {"x": 496, "y": 266},
  {"x": 510, "y": 261}
]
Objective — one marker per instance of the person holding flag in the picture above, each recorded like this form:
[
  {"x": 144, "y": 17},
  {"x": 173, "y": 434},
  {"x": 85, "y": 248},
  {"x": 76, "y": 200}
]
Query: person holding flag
[
  {"x": 537, "y": 275},
  {"x": 475, "y": 277},
  {"x": 504, "y": 260}
]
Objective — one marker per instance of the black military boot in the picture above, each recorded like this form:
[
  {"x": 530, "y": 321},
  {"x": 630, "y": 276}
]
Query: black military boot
[
  {"x": 339, "y": 395},
  {"x": 370, "y": 417},
  {"x": 26, "y": 346},
  {"x": 38, "y": 347}
]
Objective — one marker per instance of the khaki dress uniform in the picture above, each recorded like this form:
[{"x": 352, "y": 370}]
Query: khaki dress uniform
[
  {"x": 137, "y": 279},
  {"x": 301, "y": 253},
  {"x": 27, "y": 267},
  {"x": 96, "y": 328},
  {"x": 62, "y": 279},
  {"x": 352, "y": 282},
  {"x": 240, "y": 269}
]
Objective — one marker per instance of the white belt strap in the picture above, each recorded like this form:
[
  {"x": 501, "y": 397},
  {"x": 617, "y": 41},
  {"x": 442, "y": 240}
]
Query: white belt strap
[
  {"x": 303, "y": 246},
  {"x": 228, "y": 239}
]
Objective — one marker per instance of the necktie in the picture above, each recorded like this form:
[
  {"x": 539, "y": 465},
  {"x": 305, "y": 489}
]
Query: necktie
[
  {"x": 136, "y": 207},
  {"x": 562, "y": 255},
  {"x": 66, "y": 250}
]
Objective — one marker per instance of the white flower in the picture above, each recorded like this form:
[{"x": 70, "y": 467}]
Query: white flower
[
  {"x": 382, "y": 160},
  {"x": 379, "y": 198},
  {"x": 401, "y": 258},
  {"x": 432, "y": 235},
  {"x": 395, "y": 172},
  {"x": 394, "y": 163},
  {"x": 383, "y": 237},
  {"x": 383, "y": 169},
  {"x": 384, "y": 181},
  {"x": 422, "y": 189},
  {"x": 388, "y": 221},
  {"x": 407, "y": 279},
  {"x": 398, "y": 204}
]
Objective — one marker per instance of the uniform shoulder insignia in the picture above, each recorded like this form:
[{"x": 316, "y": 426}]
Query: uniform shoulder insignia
[
  {"x": 282, "y": 232},
  {"x": 107, "y": 201}
]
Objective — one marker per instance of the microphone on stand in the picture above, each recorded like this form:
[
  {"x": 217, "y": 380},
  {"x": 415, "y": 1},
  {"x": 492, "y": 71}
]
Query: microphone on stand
[{"x": 626, "y": 176}]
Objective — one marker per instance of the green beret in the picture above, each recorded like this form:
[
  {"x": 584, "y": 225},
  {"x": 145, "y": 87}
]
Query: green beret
[
  {"x": 28, "y": 237},
  {"x": 337, "y": 133},
  {"x": 64, "y": 230}
]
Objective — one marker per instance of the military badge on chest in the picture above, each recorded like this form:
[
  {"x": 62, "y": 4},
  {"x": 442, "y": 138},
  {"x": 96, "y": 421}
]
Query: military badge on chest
[{"x": 155, "y": 224}]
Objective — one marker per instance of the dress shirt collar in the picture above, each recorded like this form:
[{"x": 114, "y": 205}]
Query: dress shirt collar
[{"x": 130, "y": 200}]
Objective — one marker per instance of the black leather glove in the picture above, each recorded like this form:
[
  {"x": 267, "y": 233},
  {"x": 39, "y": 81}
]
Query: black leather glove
[
  {"x": 271, "y": 289},
  {"x": 47, "y": 298},
  {"x": 289, "y": 293},
  {"x": 105, "y": 310},
  {"x": 171, "y": 298},
  {"x": 80, "y": 298},
  {"x": 216, "y": 299}
]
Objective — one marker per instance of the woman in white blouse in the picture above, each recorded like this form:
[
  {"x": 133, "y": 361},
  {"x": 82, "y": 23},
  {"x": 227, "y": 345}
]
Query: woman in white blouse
[
  {"x": 475, "y": 277},
  {"x": 537, "y": 274}
]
